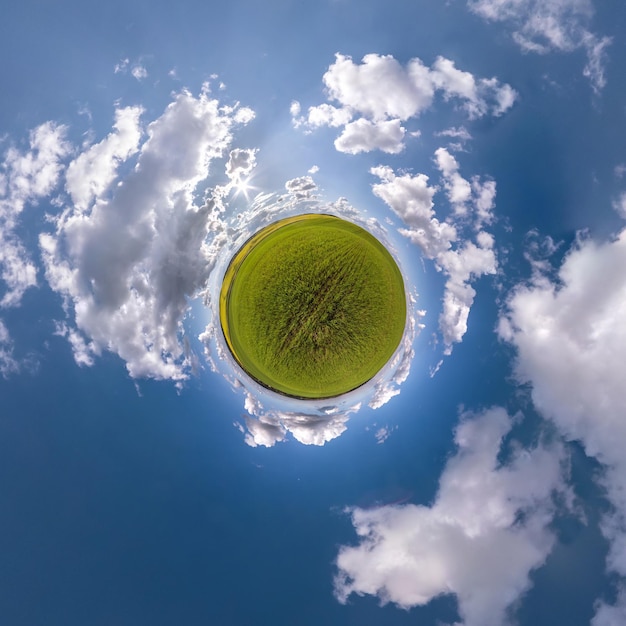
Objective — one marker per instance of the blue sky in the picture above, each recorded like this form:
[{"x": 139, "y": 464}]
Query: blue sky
[{"x": 479, "y": 478}]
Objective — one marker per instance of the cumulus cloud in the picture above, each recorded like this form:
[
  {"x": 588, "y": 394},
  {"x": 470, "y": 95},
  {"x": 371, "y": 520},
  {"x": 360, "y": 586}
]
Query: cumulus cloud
[
  {"x": 268, "y": 426},
  {"x": 301, "y": 188},
  {"x": 240, "y": 163},
  {"x": 370, "y": 101},
  {"x": 365, "y": 136},
  {"x": 544, "y": 25},
  {"x": 25, "y": 178},
  {"x": 462, "y": 265},
  {"x": 128, "y": 252},
  {"x": 263, "y": 432},
  {"x": 445, "y": 241},
  {"x": 570, "y": 339},
  {"x": 91, "y": 173},
  {"x": 487, "y": 529}
]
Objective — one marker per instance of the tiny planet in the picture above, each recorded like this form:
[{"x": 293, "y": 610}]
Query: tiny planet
[{"x": 312, "y": 306}]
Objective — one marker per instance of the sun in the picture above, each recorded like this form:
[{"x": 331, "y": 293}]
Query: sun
[{"x": 243, "y": 187}]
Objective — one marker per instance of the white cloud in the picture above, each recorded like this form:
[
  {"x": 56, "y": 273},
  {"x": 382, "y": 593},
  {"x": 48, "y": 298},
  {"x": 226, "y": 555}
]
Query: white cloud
[
  {"x": 479, "y": 97},
  {"x": 458, "y": 189},
  {"x": 265, "y": 427},
  {"x": 122, "y": 66},
  {"x": 365, "y": 136},
  {"x": 370, "y": 100},
  {"x": 8, "y": 363},
  {"x": 544, "y": 25},
  {"x": 620, "y": 205},
  {"x": 131, "y": 252},
  {"x": 240, "y": 163},
  {"x": 461, "y": 133},
  {"x": 383, "y": 433},
  {"x": 328, "y": 115},
  {"x": 262, "y": 432},
  {"x": 380, "y": 88},
  {"x": 26, "y": 177},
  {"x": 301, "y": 188},
  {"x": 139, "y": 72},
  {"x": 462, "y": 265},
  {"x": 83, "y": 352},
  {"x": 487, "y": 529},
  {"x": 383, "y": 394},
  {"x": 461, "y": 260},
  {"x": 571, "y": 340},
  {"x": 505, "y": 97},
  {"x": 411, "y": 199},
  {"x": 90, "y": 174},
  {"x": 387, "y": 389},
  {"x": 611, "y": 615},
  {"x": 243, "y": 115},
  {"x": 313, "y": 432},
  {"x": 295, "y": 108},
  {"x": 483, "y": 197}
]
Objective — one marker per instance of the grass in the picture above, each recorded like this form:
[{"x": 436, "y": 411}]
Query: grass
[{"x": 312, "y": 306}]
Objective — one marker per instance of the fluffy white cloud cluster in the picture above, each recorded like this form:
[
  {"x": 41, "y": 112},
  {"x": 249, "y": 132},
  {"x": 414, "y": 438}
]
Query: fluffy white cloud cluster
[
  {"x": 571, "y": 340},
  {"x": 25, "y": 178},
  {"x": 487, "y": 529},
  {"x": 544, "y": 25},
  {"x": 461, "y": 260},
  {"x": 265, "y": 427},
  {"x": 375, "y": 97},
  {"x": 241, "y": 162},
  {"x": 129, "y": 251},
  {"x": 301, "y": 188}
]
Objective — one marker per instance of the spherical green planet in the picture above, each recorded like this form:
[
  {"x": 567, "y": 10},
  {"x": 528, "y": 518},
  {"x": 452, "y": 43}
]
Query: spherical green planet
[{"x": 312, "y": 306}]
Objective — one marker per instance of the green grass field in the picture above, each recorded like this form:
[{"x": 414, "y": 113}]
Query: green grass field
[{"x": 312, "y": 306}]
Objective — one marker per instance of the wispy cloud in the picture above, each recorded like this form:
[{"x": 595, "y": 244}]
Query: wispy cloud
[
  {"x": 137, "y": 69},
  {"x": 26, "y": 177},
  {"x": 446, "y": 241},
  {"x": 544, "y": 25}
]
